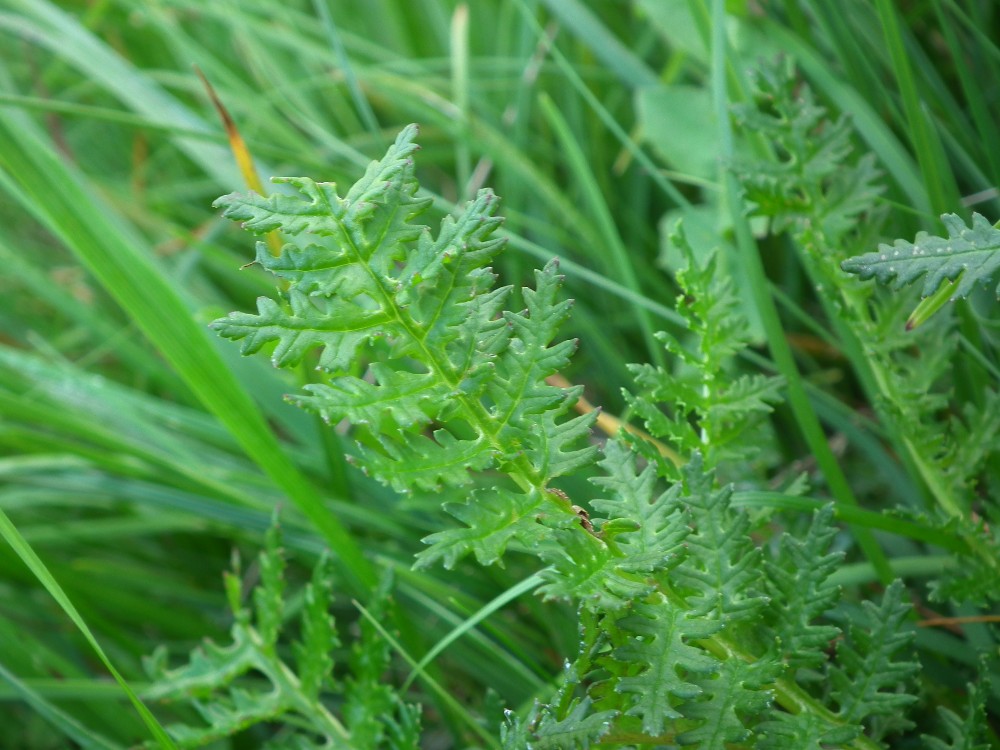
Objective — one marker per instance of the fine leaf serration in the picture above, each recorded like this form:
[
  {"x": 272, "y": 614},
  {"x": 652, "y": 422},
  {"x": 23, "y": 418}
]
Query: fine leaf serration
[
  {"x": 972, "y": 253},
  {"x": 416, "y": 348},
  {"x": 686, "y": 634}
]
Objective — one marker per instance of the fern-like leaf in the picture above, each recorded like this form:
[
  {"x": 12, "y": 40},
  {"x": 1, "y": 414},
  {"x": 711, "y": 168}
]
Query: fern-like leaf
[
  {"x": 731, "y": 697},
  {"x": 802, "y": 731},
  {"x": 657, "y": 542},
  {"x": 970, "y": 252},
  {"x": 869, "y": 679},
  {"x": 719, "y": 575},
  {"x": 661, "y": 646},
  {"x": 249, "y": 683},
  {"x": 313, "y": 655},
  {"x": 700, "y": 405},
  {"x": 415, "y": 347},
  {"x": 799, "y": 587},
  {"x": 493, "y": 519},
  {"x": 580, "y": 728}
]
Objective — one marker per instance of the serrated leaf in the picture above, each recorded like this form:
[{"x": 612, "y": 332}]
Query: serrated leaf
[
  {"x": 868, "y": 678},
  {"x": 397, "y": 399},
  {"x": 802, "y": 731},
  {"x": 410, "y": 332},
  {"x": 519, "y": 388},
  {"x": 269, "y": 596},
  {"x": 720, "y": 572},
  {"x": 970, "y": 252},
  {"x": 303, "y": 324},
  {"x": 657, "y": 543},
  {"x": 801, "y": 592},
  {"x": 426, "y": 463},
  {"x": 662, "y": 652},
  {"x": 368, "y": 698},
  {"x": 493, "y": 519},
  {"x": 548, "y": 448},
  {"x": 579, "y": 729},
  {"x": 403, "y": 730},
  {"x": 968, "y": 732},
  {"x": 313, "y": 655},
  {"x": 585, "y": 570},
  {"x": 735, "y": 693},
  {"x": 209, "y": 666}
]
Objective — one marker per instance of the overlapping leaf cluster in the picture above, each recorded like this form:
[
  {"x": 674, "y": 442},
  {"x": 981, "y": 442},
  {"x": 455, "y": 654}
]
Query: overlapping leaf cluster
[
  {"x": 816, "y": 189},
  {"x": 417, "y": 350},
  {"x": 687, "y": 637},
  {"x": 811, "y": 181},
  {"x": 252, "y": 683},
  {"x": 722, "y": 646}
]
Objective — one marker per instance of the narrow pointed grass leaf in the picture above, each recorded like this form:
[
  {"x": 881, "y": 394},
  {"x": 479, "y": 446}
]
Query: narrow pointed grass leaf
[
  {"x": 56, "y": 195},
  {"x": 38, "y": 568}
]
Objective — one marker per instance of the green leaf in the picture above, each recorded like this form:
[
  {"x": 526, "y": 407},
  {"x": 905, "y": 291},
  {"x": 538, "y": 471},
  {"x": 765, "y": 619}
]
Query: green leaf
[
  {"x": 705, "y": 406},
  {"x": 519, "y": 388},
  {"x": 803, "y": 731},
  {"x": 400, "y": 399},
  {"x": 661, "y": 649},
  {"x": 586, "y": 570},
  {"x": 720, "y": 575},
  {"x": 580, "y": 728},
  {"x": 732, "y": 696},
  {"x": 212, "y": 680},
  {"x": 426, "y": 463},
  {"x": 657, "y": 543},
  {"x": 811, "y": 183},
  {"x": 302, "y": 324},
  {"x": 369, "y": 698},
  {"x": 968, "y": 732},
  {"x": 313, "y": 655},
  {"x": 548, "y": 449},
  {"x": 269, "y": 596},
  {"x": 868, "y": 679},
  {"x": 411, "y": 333},
  {"x": 799, "y": 587},
  {"x": 969, "y": 252},
  {"x": 493, "y": 518}
]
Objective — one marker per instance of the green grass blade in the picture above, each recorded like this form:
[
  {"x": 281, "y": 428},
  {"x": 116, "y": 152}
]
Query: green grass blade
[
  {"x": 56, "y": 196},
  {"x": 619, "y": 263},
  {"x": 938, "y": 178},
  {"x": 24, "y": 551},
  {"x": 753, "y": 266},
  {"x": 58, "y": 718}
]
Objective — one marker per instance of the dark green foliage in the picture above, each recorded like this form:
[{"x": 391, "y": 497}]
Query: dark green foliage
[
  {"x": 250, "y": 683},
  {"x": 659, "y": 649},
  {"x": 907, "y": 374},
  {"x": 968, "y": 732},
  {"x": 869, "y": 668},
  {"x": 797, "y": 580},
  {"x": 810, "y": 183},
  {"x": 136, "y": 450}
]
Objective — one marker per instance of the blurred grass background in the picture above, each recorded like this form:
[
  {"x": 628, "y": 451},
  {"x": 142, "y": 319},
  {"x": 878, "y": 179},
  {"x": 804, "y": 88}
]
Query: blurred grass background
[{"x": 136, "y": 451}]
